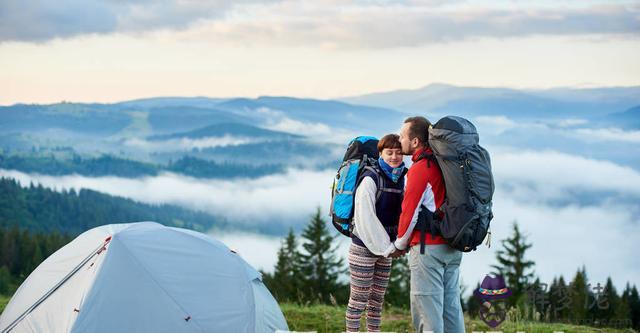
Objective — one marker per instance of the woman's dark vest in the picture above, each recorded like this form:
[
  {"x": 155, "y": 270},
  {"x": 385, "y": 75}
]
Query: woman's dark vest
[{"x": 388, "y": 203}]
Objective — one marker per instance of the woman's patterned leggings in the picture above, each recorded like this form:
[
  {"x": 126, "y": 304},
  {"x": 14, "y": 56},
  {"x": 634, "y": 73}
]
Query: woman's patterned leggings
[{"x": 369, "y": 281}]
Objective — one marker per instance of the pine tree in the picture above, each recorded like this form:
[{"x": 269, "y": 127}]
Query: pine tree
[
  {"x": 634, "y": 307},
  {"x": 561, "y": 301},
  {"x": 579, "y": 295},
  {"x": 553, "y": 296},
  {"x": 319, "y": 262},
  {"x": 566, "y": 300},
  {"x": 536, "y": 300},
  {"x": 5, "y": 281},
  {"x": 286, "y": 280},
  {"x": 512, "y": 264},
  {"x": 623, "y": 313},
  {"x": 609, "y": 306},
  {"x": 21, "y": 252},
  {"x": 473, "y": 304}
]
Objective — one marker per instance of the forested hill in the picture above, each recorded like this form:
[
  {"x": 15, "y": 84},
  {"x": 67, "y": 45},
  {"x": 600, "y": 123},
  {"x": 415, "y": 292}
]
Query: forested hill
[
  {"x": 40, "y": 209},
  {"x": 107, "y": 165}
]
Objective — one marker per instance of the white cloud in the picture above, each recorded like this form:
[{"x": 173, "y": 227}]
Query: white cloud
[
  {"x": 550, "y": 176},
  {"x": 494, "y": 124},
  {"x": 607, "y": 134},
  {"x": 353, "y": 25},
  {"x": 571, "y": 122},
  {"x": 281, "y": 123},
  {"x": 277, "y": 120},
  {"x": 182, "y": 144},
  {"x": 261, "y": 251},
  {"x": 569, "y": 128},
  {"x": 43, "y": 20},
  {"x": 330, "y": 25},
  {"x": 287, "y": 198},
  {"x": 496, "y": 120}
]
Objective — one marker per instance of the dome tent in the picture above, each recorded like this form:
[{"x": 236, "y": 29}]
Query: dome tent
[{"x": 143, "y": 277}]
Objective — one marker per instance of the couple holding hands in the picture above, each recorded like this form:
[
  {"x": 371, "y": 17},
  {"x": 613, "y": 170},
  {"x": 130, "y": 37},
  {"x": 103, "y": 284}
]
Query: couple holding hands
[{"x": 385, "y": 216}]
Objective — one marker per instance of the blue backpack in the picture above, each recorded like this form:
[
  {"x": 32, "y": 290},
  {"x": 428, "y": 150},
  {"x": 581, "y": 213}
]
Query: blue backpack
[{"x": 362, "y": 154}]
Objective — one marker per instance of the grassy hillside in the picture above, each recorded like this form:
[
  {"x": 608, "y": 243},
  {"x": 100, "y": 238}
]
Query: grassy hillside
[{"x": 323, "y": 318}]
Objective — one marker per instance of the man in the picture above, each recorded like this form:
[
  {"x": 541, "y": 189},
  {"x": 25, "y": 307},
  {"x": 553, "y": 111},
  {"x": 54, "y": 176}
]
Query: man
[{"x": 435, "y": 290}]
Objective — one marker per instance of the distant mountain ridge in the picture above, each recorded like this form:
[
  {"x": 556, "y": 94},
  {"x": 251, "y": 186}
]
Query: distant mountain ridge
[
  {"x": 233, "y": 129},
  {"x": 170, "y": 115},
  {"x": 302, "y": 132},
  {"x": 629, "y": 119},
  {"x": 167, "y": 115},
  {"x": 153, "y": 102},
  {"x": 443, "y": 99}
]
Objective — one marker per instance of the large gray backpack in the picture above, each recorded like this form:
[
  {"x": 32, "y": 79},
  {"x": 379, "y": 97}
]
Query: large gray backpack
[{"x": 466, "y": 168}]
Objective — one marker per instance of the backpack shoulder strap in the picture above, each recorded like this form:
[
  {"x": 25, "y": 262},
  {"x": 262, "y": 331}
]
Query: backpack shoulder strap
[
  {"x": 430, "y": 157},
  {"x": 382, "y": 182},
  {"x": 375, "y": 174}
]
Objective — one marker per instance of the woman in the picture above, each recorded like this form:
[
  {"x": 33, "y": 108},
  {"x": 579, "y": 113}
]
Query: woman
[{"x": 375, "y": 229}]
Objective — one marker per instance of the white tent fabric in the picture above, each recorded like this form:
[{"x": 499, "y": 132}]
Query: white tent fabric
[{"x": 143, "y": 277}]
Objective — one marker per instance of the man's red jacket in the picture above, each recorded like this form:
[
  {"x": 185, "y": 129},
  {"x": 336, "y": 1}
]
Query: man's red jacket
[{"x": 425, "y": 188}]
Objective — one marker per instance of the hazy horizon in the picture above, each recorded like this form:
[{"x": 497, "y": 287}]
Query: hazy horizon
[{"x": 329, "y": 98}]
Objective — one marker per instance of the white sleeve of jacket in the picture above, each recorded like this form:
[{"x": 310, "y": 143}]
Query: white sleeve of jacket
[{"x": 367, "y": 227}]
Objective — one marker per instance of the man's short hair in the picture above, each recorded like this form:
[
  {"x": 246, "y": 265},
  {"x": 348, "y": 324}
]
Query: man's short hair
[
  {"x": 391, "y": 141},
  {"x": 419, "y": 128}
]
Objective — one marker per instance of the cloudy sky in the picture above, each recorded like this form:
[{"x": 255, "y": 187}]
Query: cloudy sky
[{"x": 112, "y": 50}]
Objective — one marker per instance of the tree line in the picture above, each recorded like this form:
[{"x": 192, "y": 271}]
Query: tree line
[
  {"x": 21, "y": 251},
  {"x": 40, "y": 209},
  {"x": 579, "y": 301},
  {"x": 313, "y": 271},
  {"x": 108, "y": 165}
]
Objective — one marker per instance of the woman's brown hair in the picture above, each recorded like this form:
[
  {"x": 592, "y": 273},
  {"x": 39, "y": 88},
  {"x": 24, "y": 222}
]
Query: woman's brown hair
[{"x": 391, "y": 141}]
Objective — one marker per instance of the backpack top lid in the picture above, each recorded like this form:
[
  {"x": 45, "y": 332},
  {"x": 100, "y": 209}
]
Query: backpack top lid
[
  {"x": 456, "y": 124},
  {"x": 363, "y": 139},
  {"x": 453, "y": 130},
  {"x": 360, "y": 146}
]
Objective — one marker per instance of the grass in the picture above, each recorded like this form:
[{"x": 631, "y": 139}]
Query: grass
[{"x": 327, "y": 318}]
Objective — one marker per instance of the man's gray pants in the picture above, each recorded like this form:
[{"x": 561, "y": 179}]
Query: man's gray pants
[{"x": 435, "y": 289}]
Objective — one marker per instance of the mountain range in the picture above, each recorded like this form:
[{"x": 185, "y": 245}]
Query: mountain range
[
  {"x": 441, "y": 99},
  {"x": 311, "y": 132}
]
